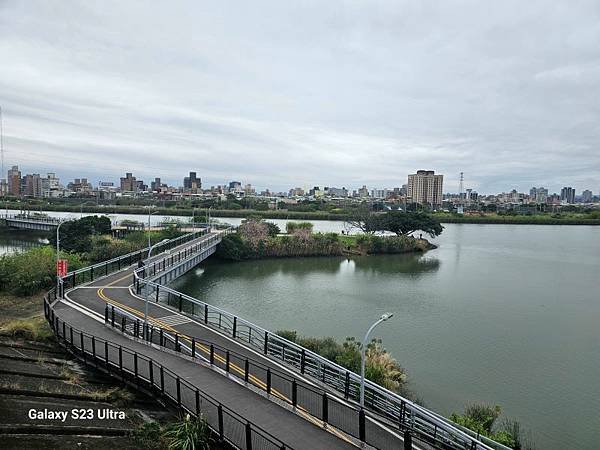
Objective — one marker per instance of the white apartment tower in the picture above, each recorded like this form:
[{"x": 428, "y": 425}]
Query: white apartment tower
[{"x": 425, "y": 187}]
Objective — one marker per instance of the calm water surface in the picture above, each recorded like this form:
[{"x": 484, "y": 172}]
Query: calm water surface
[{"x": 498, "y": 313}]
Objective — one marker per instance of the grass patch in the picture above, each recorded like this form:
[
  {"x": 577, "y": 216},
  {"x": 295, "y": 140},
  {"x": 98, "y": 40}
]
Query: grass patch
[
  {"x": 15, "y": 307},
  {"x": 32, "y": 329}
]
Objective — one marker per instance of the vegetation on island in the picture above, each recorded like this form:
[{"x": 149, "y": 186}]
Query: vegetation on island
[
  {"x": 187, "y": 433},
  {"x": 259, "y": 239}
]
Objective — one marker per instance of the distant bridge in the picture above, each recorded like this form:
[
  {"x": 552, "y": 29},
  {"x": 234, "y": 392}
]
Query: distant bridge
[
  {"x": 46, "y": 223},
  {"x": 255, "y": 389}
]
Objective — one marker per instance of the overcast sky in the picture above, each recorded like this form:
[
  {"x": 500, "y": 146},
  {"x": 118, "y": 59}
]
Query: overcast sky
[{"x": 282, "y": 94}]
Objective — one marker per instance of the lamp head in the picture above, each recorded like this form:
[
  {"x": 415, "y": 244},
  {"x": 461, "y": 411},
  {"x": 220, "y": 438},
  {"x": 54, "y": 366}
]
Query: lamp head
[{"x": 387, "y": 316}]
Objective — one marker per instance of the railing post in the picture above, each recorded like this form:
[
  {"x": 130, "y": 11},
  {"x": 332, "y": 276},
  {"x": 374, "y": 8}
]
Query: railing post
[
  {"x": 205, "y": 313},
  {"x": 176, "y": 342},
  {"x": 347, "y": 385},
  {"x": 248, "y": 436},
  {"x": 227, "y": 361},
  {"x": 106, "y": 355},
  {"x": 121, "y": 359},
  {"x": 106, "y": 313},
  {"x": 193, "y": 347},
  {"x": 220, "y": 416},
  {"x": 151, "y": 373},
  {"x": 157, "y": 290},
  {"x": 302, "y": 361},
  {"x": 82, "y": 346},
  {"x": 180, "y": 303},
  {"x": 112, "y": 316},
  {"x": 135, "y": 366},
  {"x": 197, "y": 401},
  {"x": 407, "y": 440},
  {"x": 325, "y": 408},
  {"x": 94, "y": 349},
  {"x": 161, "y": 337},
  {"x": 246, "y": 369},
  {"x": 266, "y": 349},
  {"x": 124, "y": 324},
  {"x": 178, "y": 384},
  {"x": 162, "y": 380},
  {"x": 212, "y": 354},
  {"x": 294, "y": 393},
  {"x": 92, "y": 273},
  {"x": 234, "y": 331},
  {"x": 361, "y": 425},
  {"x": 268, "y": 380}
]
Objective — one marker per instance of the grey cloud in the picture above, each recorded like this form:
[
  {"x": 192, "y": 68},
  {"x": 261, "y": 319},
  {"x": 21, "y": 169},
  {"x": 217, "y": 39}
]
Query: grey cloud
[{"x": 329, "y": 93}]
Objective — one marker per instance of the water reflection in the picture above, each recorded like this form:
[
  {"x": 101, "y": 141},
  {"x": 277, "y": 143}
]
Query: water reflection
[
  {"x": 12, "y": 241},
  {"x": 413, "y": 265}
]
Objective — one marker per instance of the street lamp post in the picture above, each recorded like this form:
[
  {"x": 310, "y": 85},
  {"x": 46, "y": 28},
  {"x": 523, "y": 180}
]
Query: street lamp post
[
  {"x": 147, "y": 287},
  {"x": 58, "y": 257},
  {"x": 383, "y": 318}
]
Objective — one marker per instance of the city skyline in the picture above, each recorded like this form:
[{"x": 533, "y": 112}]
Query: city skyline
[
  {"x": 424, "y": 186},
  {"x": 305, "y": 95}
]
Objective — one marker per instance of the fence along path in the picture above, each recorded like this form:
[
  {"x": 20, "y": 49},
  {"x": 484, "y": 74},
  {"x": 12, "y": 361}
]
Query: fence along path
[
  {"x": 425, "y": 425},
  {"x": 404, "y": 416},
  {"x": 237, "y": 415}
]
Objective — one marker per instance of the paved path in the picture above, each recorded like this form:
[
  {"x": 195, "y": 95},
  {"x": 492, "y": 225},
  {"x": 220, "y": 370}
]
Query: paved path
[{"x": 84, "y": 308}]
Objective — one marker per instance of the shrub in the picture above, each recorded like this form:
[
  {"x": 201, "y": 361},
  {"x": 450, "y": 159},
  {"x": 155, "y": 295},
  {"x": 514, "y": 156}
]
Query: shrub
[
  {"x": 188, "y": 434},
  {"x": 292, "y": 227},
  {"x": 29, "y": 272}
]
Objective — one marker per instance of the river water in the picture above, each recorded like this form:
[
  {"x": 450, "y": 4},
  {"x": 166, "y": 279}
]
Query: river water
[{"x": 503, "y": 314}]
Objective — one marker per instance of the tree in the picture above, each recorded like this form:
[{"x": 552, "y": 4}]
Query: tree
[
  {"x": 364, "y": 220},
  {"x": 272, "y": 229},
  {"x": 405, "y": 223},
  {"x": 75, "y": 235}
]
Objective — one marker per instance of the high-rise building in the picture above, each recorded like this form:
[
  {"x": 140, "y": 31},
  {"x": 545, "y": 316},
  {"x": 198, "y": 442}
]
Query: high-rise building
[
  {"x": 14, "y": 181},
  {"x": 424, "y": 187},
  {"x": 192, "y": 183},
  {"x": 538, "y": 195},
  {"x": 128, "y": 183},
  {"x": 32, "y": 185},
  {"x": 80, "y": 186},
  {"x": 567, "y": 194},
  {"x": 586, "y": 196},
  {"x": 51, "y": 186},
  {"x": 155, "y": 185}
]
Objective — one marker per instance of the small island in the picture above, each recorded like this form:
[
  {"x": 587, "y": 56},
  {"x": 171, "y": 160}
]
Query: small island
[{"x": 387, "y": 233}]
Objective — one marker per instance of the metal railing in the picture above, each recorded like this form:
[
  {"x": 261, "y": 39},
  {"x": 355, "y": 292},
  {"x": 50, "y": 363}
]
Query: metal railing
[
  {"x": 425, "y": 425},
  {"x": 90, "y": 273},
  {"x": 305, "y": 398},
  {"x": 143, "y": 372},
  {"x": 170, "y": 260},
  {"x": 32, "y": 218}
]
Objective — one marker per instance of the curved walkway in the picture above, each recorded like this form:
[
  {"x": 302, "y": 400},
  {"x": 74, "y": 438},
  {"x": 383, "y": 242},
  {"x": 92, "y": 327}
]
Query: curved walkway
[{"x": 84, "y": 307}]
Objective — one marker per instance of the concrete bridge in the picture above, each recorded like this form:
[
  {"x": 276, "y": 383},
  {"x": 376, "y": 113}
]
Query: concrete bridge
[
  {"x": 38, "y": 222},
  {"x": 255, "y": 389}
]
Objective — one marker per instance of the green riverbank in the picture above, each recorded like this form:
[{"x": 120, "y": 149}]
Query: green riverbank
[{"x": 566, "y": 218}]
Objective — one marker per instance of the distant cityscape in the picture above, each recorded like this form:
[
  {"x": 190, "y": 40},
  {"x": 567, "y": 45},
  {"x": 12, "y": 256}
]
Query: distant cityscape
[{"x": 425, "y": 187}]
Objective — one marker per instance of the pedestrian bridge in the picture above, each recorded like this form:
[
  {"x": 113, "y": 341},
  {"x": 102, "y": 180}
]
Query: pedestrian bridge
[{"x": 255, "y": 388}]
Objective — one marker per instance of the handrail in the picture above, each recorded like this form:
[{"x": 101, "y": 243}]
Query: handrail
[
  {"x": 429, "y": 426},
  {"x": 382, "y": 401},
  {"x": 105, "y": 359},
  {"x": 307, "y": 398}
]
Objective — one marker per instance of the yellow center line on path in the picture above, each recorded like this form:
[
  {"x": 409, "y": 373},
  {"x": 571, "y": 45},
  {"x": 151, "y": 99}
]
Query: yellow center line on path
[{"x": 257, "y": 381}]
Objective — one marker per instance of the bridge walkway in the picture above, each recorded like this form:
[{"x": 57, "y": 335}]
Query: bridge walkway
[
  {"x": 116, "y": 290},
  {"x": 294, "y": 431}
]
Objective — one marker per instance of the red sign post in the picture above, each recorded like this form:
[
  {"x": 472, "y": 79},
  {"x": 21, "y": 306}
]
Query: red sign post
[{"x": 61, "y": 267}]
